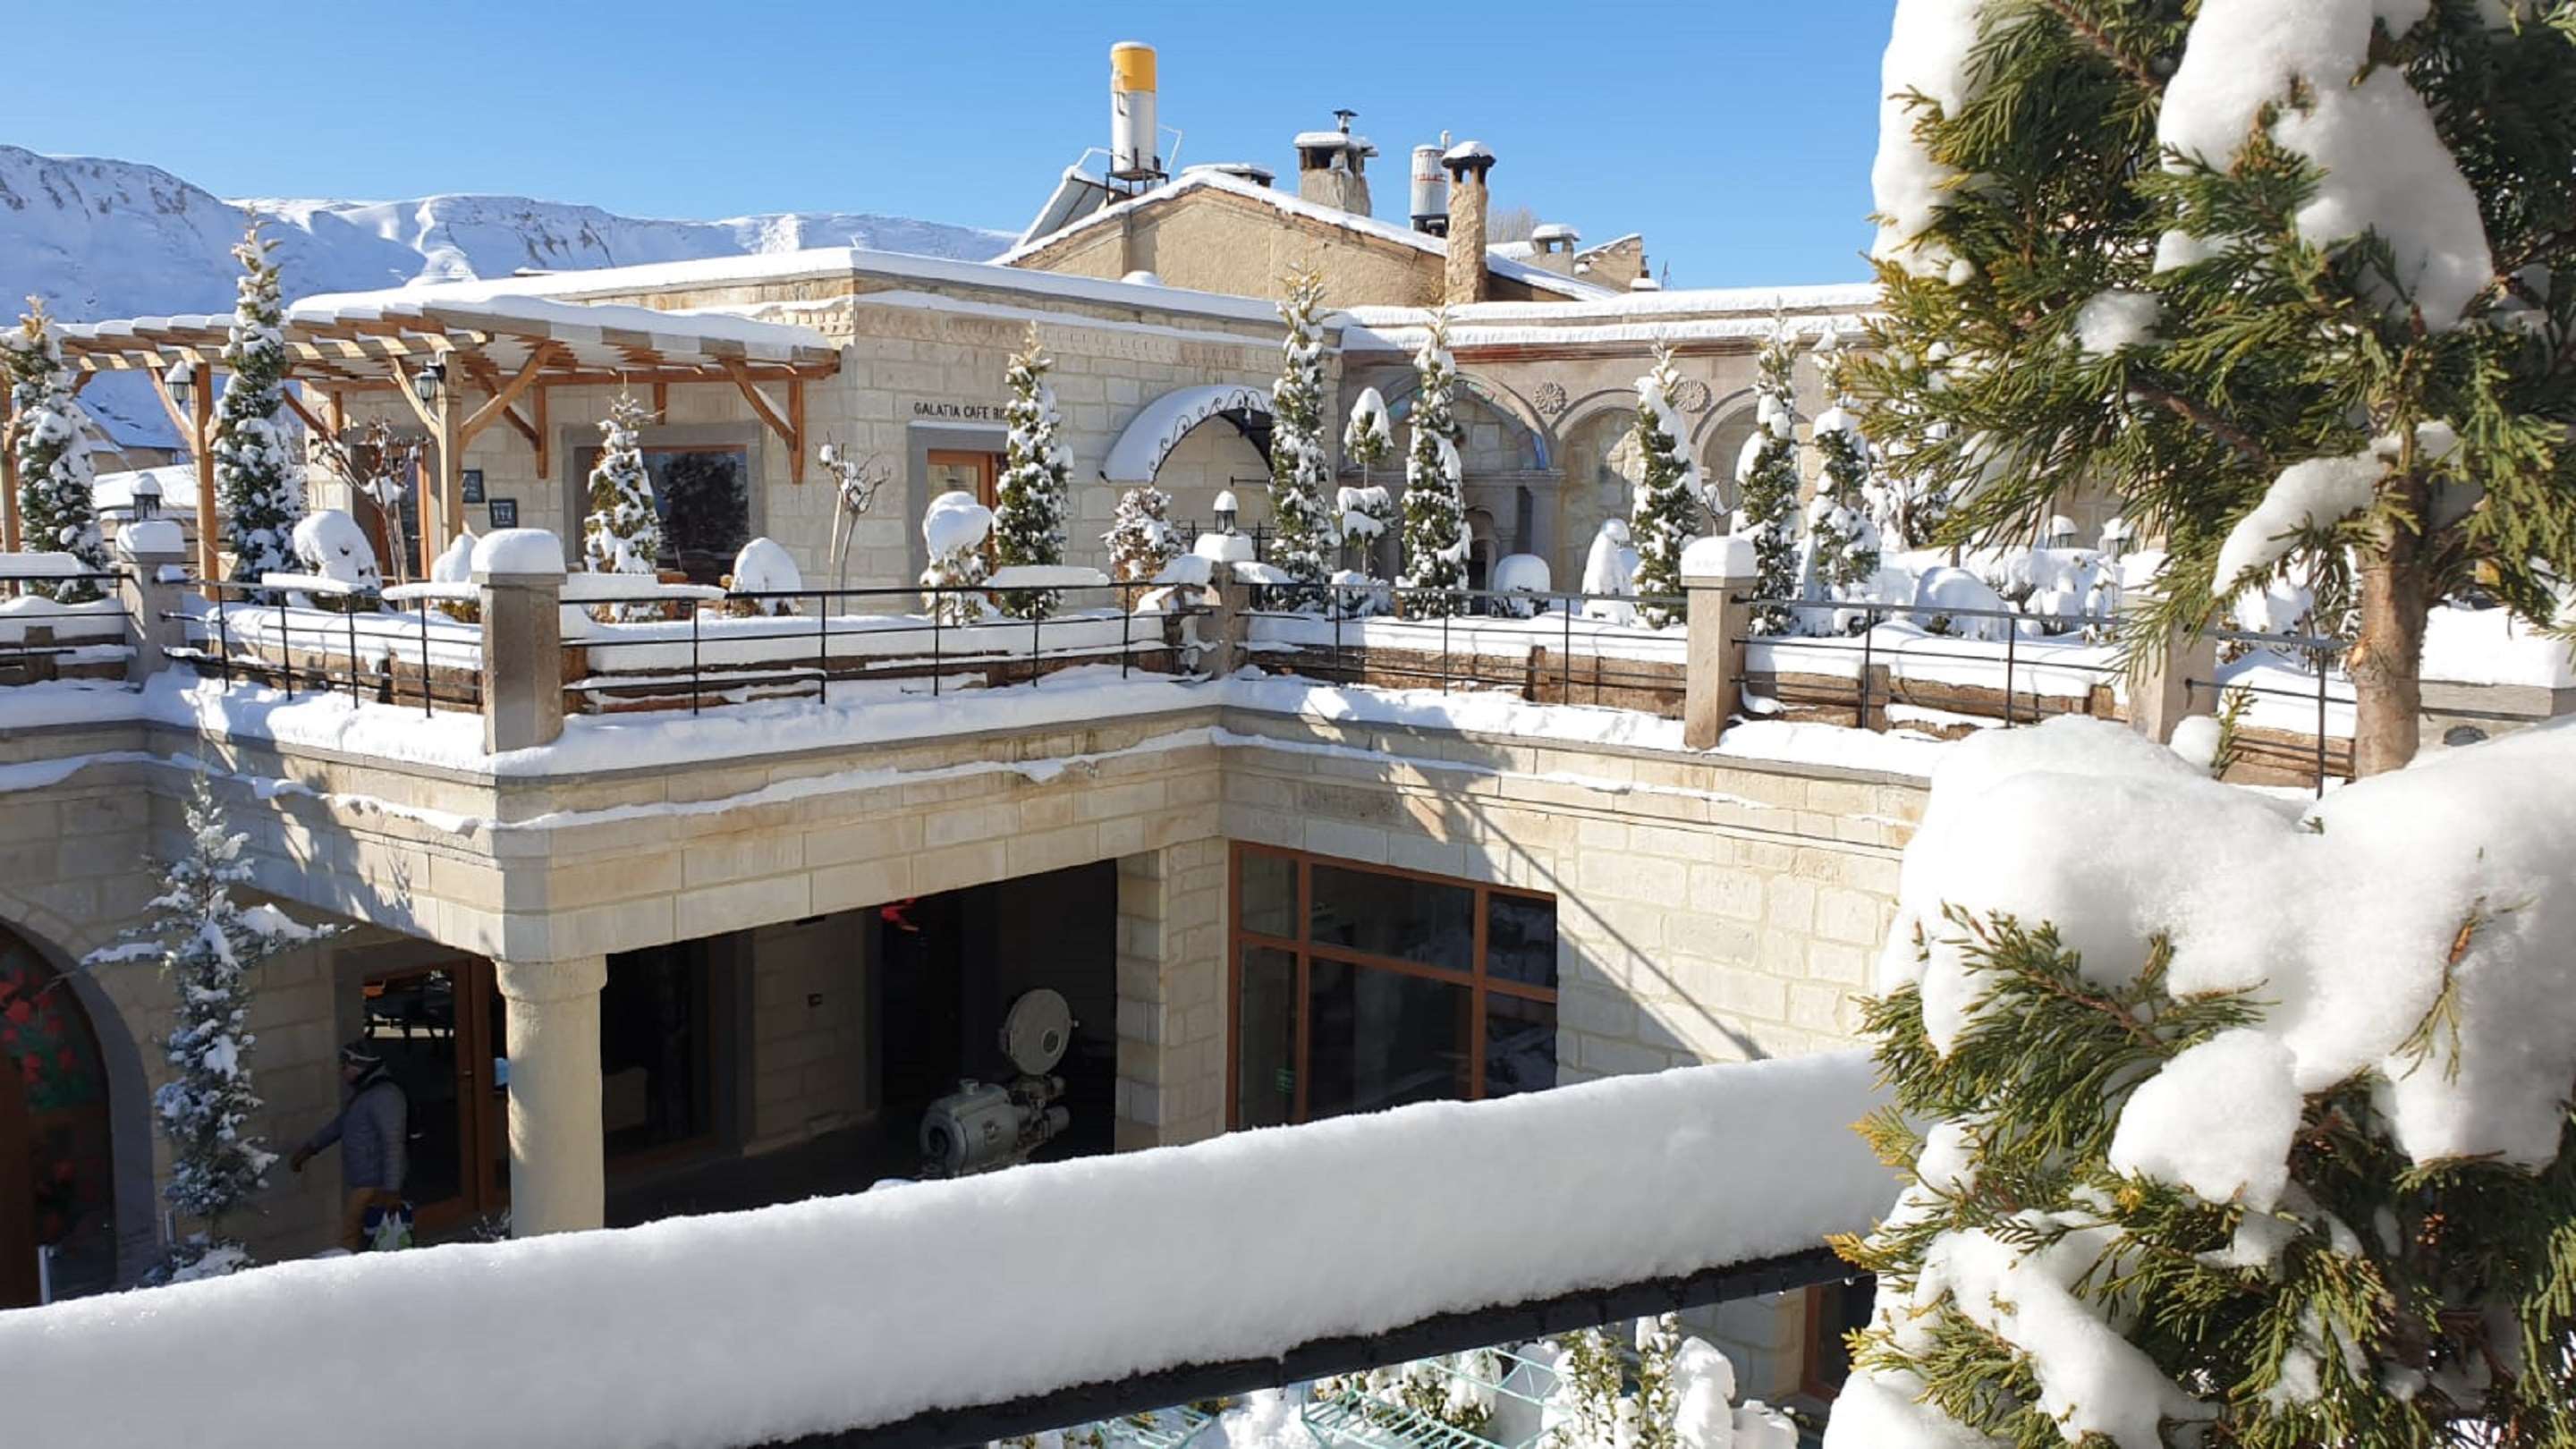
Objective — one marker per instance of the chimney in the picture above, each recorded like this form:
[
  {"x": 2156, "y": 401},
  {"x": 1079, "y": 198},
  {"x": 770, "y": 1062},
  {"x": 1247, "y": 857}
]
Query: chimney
[
  {"x": 1467, "y": 163},
  {"x": 1332, "y": 166},
  {"x": 1430, "y": 192}
]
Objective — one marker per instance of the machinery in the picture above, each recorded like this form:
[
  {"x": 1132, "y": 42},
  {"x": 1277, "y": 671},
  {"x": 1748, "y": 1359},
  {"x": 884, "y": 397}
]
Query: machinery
[{"x": 985, "y": 1125}]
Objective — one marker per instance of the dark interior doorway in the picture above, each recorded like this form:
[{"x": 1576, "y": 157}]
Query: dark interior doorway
[{"x": 953, "y": 963}]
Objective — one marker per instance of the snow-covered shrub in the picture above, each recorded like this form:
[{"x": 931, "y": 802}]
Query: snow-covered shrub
[
  {"x": 329, "y": 544},
  {"x": 1665, "y": 508},
  {"x": 1435, "y": 509},
  {"x": 1027, "y": 522},
  {"x": 1766, "y": 482},
  {"x": 1610, "y": 574},
  {"x": 1304, "y": 538},
  {"x": 1940, "y": 592},
  {"x": 1140, "y": 537},
  {"x": 2246, "y": 1123},
  {"x": 1521, "y": 573},
  {"x": 1842, "y": 531},
  {"x": 258, "y": 482},
  {"x": 764, "y": 567},
  {"x": 207, "y": 946},
  {"x": 48, "y": 440},
  {"x": 955, "y": 527},
  {"x": 622, "y": 532}
]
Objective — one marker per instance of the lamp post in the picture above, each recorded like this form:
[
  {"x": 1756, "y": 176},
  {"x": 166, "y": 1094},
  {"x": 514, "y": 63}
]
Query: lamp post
[
  {"x": 146, "y": 495},
  {"x": 1226, "y": 511},
  {"x": 180, "y": 380},
  {"x": 428, "y": 379}
]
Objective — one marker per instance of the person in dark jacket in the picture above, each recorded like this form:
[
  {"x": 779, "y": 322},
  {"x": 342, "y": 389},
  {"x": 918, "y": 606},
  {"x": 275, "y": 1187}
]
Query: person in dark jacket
[{"x": 374, "y": 1118}]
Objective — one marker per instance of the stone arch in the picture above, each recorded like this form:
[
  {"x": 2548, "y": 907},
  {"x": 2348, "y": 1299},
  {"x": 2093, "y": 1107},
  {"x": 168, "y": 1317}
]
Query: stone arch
[
  {"x": 1596, "y": 486},
  {"x": 1496, "y": 397},
  {"x": 1193, "y": 443},
  {"x": 1718, "y": 439},
  {"x": 90, "y": 1101}
]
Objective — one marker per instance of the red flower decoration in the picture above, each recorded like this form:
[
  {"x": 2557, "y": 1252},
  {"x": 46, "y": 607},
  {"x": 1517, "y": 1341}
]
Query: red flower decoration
[{"x": 21, "y": 1011}]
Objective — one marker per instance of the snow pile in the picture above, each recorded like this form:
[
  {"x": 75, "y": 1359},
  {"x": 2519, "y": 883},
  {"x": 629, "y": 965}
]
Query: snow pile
[
  {"x": 1047, "y": 576},
  {"x": 518, "y": 551},
  {"x": 333, "y": 546},
  {"x": 765, "y": 567},
  {"x": 955, "y": 523},
  {"x": 2114, "y": 319},
  {"x": 1927, "y": 55},
  {"x": 2351, "y": 918},
  {"x": 849, "y": 1312},
  {"x": 2386, "y": 169}
]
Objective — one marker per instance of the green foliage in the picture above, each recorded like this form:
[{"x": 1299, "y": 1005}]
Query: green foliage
[
  {"x": 1767, "y": 481},
  {"x": 2384, "y": 1303},
  {"x": 1304, "y": 534},
  {"x": 622, "y": 532},
  {"x": 1140, "y": 539},
  {"x": 46, "y": 440},
  {"x": 2267, "y": 348},
  {"x": 258, "y": 482},
  {"x": 1665, "y": 511},
  {"x": 1435, "y": 508},
  {"x": 1842, "y": 533},
  {"x": 1028, "y": 521}
]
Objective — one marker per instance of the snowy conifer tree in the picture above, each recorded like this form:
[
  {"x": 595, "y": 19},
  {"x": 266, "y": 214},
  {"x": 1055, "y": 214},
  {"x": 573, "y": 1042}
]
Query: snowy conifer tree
[
  {"x": 1435, "y": 507},
  {"x": 207, "y": 946},
  {"x": 1305, "y": 538},
  {"x": 1665, "y": 511},
  {"x": 48, "y": 439},
  {"x": 1842, "y": 529},
  {"x": 622, "y": 532},
  {"x": 1140, "y": 536},
  {"x": 258, "y": 482},
  {"x": 1028, "y": 524},
  {"x": 1766, "y": 479},
  {"x": 1368, "y": 437},
  {"x": 2291, "y": 279}
]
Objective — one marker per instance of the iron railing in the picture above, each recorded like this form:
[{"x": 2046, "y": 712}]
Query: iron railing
[
  {"x": 255, "y": 631},
  {"x": 38, "y": 646}
]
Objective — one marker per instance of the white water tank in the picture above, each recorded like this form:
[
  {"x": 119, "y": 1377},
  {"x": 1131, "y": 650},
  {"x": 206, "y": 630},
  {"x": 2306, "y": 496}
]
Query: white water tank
[
  {"x": 1430, "y": 192},
  {"x": 1131, "y": 113}
]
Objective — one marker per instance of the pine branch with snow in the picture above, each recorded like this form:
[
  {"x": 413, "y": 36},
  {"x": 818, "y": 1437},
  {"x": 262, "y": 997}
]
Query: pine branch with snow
[
  {"x": 2247, "y": 1129},
  {"x": 258, "y": 481},
  {"x": 1766, "y": 480},
  {"x": 1140, "y": 537},
  {"x": 208, "y": 948},
  {"x": 48, "y": 439},
  {"x": 2293, "y": 279},
  {"x": 1665, "y": 509},
  {"x": 622, "y": 531},
  {"x": 1435, "y": 506},
  {"x": 1305, "y": 537},
  {"x": 1028, "y": 521}
]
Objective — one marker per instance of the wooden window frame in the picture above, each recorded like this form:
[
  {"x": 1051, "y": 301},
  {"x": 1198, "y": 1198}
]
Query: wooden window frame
[
  {"x": 987, "y": 465},
  {"x": 1481, "y": 984}
]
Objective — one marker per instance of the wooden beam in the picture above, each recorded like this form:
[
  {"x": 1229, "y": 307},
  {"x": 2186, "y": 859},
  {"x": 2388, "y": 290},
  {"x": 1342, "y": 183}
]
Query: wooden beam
[
  {"x": 179, "y": 422},
  {"x": 411, "y": 399},
  {"x": 81, "y": 380},
  {"x": 506, "y": 394},
  {"x": 8, "y": 475},
  {"x": 769, "y": 414},
  {"x": 296, "y": 406},
  {"x": 661, "y": 399},
  {"x": 210, "y": 556},
  {"x": 796, "y": 423},
  {"x": 544, "y": 435}
]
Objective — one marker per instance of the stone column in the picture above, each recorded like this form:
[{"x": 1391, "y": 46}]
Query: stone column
[
  {"x": 520, "y": 572},
  {"x": 1717, "y": 573},
  {"x": 1172, "y": 1010},
  {"x": 153, "y": 556},
  {"x": 557, "y": 1153},
  {"x": 2160, "y": 689}
]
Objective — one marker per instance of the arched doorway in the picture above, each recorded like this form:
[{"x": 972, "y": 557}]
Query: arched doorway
[
  {"x": 1193, "y": 443},
  {"x": 56, "y": 1168}
]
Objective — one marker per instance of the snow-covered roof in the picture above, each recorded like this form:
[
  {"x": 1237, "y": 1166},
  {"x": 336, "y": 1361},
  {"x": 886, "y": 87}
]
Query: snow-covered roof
[
  {"x": 1538, "y": 278},
  {"x": 1622, "y": 239},
  {"x": 1334, "y": 141},
  {"x": 1554, "y": 231},
  {"x": 1513, "y": 249},
  {"x": 1161, "y": 424},
  {"x": 1641, "y": 317},
  {"x": 177, "y": 482},
  {"x": 1468, "y": 151}
]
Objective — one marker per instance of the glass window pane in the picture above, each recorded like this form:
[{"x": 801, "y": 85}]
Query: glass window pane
[
  {"x": 1265, "y": 1039},
  {"x": 1393, "y": 915},
  {"x": 1520, "y": 940},
  {"x": 653, "y": 1038},
  {"x": 1520, "y": 1045},
  {"x": 705, "y": 502},
  {"x": 1269, "y": 903},
  {"x": 411, "y": 1023},
  {"x": 1382, "y": 1039}
]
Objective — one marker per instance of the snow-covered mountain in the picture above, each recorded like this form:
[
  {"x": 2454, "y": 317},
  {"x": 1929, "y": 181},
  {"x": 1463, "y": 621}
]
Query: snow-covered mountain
[{"x": 102, "y": 238}]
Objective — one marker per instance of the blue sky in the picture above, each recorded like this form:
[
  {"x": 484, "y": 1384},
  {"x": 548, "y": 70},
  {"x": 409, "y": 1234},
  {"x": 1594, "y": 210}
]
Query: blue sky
[{"x": 1736, "y": 134}]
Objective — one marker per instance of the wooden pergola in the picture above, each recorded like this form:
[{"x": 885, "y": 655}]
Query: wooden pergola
[{"x": 462, "y": 367}]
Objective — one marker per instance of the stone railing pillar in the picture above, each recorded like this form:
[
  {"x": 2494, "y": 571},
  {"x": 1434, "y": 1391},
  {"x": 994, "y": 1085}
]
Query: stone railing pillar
[
  {"x": 520, "y": 572},
  {"x": 1717, "y": 575},
  {"x": 558, "y": 1159},
  {"x": 2160, "y": 691},
  {"x": 152, "y": 554}
]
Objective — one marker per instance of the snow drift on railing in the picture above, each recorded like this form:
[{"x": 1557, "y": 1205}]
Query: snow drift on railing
[{"x": 847, "y": 1312}]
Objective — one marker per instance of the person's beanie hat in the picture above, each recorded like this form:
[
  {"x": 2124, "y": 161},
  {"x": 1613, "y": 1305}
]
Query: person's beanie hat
[{"x": 360, "y": 1053}]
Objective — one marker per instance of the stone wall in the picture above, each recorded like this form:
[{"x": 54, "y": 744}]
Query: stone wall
[{"x": 810, "y": 1037}]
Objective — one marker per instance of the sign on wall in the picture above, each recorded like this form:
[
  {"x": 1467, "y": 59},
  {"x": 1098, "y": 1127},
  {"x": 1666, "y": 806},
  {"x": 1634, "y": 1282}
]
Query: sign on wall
[
  {"x": 969, "y": 412},
  {"x": 505, "y": 512}
]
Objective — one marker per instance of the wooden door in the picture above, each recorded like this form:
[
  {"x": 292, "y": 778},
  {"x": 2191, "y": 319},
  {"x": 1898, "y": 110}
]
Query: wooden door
[
  {"x": 432, "y": 1025},
  {"x": 17, "y": 1193},
  {"x": 954, "y": 471}
]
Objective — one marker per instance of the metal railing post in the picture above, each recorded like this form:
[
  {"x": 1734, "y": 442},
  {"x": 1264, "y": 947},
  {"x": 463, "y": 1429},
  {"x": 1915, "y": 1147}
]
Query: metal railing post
[
  {"x": 1446, "y": 606},
  {"x": 1868, "y": 649},
  {"x": 1333, "y": 602},
  {"x": 2321, "y": 725},
  {"x": 822, "y": 649},
  {"x": 1565, "y": 661},
  {"x": 1037, "y": 621},
  {"x": 694, "y": 606},
  {"x": 1126, "y": 625},
  {"x": 938, "y": 622},
  {"x": 353, "y": 651},
  {"x": 2012, "y": 647},
  {"x": 428, "y": 710}
]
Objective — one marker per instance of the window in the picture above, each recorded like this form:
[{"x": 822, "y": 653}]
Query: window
[
  {"x": 703, "y": 495},
  {"x": 1358, "y": 988},
  {"x": 976, "y": 474}
]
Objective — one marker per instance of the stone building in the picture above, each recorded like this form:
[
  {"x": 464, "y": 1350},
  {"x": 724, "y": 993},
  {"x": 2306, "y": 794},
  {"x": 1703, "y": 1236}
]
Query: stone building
[{"x": 681, "y": 962}]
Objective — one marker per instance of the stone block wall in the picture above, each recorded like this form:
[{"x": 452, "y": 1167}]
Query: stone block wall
[
  {"x": 1172, "y": 1007},
  {"x": 809, "y": 1034}
]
